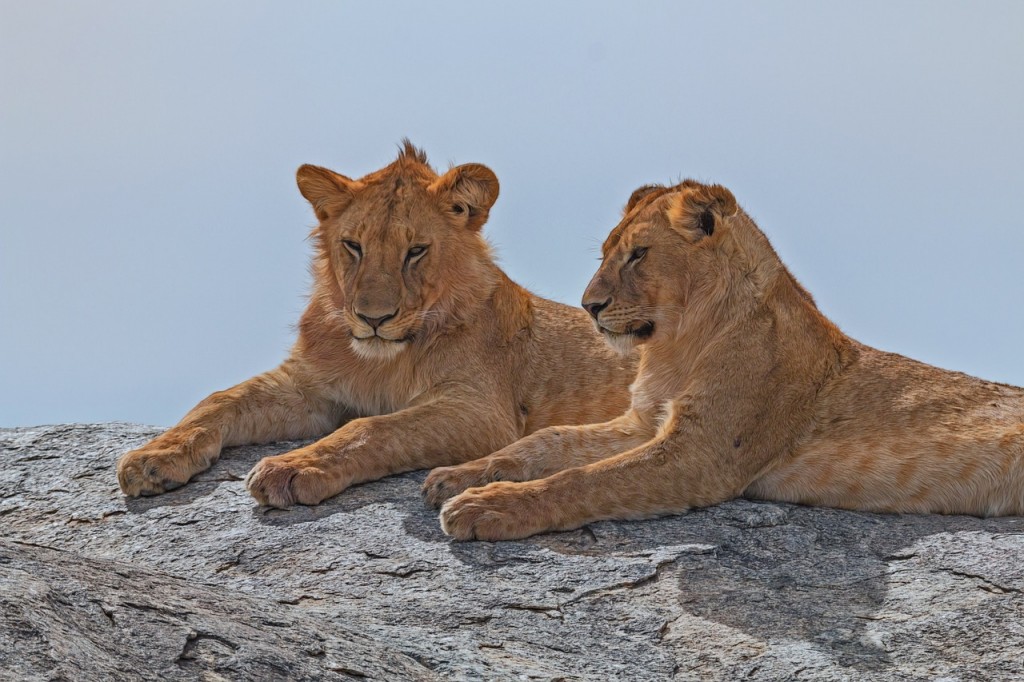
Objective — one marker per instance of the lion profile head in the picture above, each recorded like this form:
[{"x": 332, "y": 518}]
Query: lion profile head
[
  {"x": 677, "y": 252},
  {"x": 399, "y": 251}
]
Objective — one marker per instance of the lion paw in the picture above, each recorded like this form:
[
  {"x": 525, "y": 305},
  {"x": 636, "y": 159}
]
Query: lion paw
[
  {"x": 499, "y": 511},
  {"x": 166, "y": 463},
  {"x": 289, "y": 479},
  {"x": 444, "y": 483}
]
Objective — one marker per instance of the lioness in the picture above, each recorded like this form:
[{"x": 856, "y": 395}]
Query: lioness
[
  {"x": 415, "y": 351},
  {"x": 744, "y": 388}
]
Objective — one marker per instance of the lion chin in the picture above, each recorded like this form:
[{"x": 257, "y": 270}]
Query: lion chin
[
  {"x": 623, "y": 344},
  {"x": 376, "y": 348}
]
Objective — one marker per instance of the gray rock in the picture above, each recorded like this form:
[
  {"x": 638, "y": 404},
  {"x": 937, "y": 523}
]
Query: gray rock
[{"x": 200, "y": 583}]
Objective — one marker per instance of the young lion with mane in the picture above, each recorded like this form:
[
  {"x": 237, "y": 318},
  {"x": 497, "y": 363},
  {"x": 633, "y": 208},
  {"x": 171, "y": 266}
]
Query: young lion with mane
[
  {"x": 744, "y": 388},
  {"x": 415, "y": 351}
]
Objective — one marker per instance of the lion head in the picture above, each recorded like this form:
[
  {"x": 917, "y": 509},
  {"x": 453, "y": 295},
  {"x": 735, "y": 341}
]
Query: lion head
[
  {"x": 400, "y": 251},
  {"x": 670, "y": 252}
]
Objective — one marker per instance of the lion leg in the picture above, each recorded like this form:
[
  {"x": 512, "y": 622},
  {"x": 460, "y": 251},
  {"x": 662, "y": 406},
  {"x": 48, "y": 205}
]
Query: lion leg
[
  {"x": 539, "y": 455},
  {"x": 667, "y": 475},
  {"x": 446, "y": 430},
  {"x": 268, "y": 407}
]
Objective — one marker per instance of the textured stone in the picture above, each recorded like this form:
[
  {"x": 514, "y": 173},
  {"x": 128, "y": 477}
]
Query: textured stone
[{"x": 200, "y": 583}]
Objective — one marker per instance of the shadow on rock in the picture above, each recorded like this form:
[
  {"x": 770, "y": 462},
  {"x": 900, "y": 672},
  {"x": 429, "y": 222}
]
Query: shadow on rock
[
  {"x": 179, "y": 497},
  {"x": 783, "y": 572}
]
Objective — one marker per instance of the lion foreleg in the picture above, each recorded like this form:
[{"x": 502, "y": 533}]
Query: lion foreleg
[
  {"x": 539, "y": 455},
  {"x": 270, "y": 406},
  {"x": 675, "y": 471},
  {"x": 447, "y": 430}
]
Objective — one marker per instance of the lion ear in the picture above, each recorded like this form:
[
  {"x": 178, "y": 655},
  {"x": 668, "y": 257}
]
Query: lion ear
[
  {"x": 467, "y": 193},
  {"x": 639, "y": 194},
  {"x": 328, "y": 192},
  {"x": 698, "y": 210}
]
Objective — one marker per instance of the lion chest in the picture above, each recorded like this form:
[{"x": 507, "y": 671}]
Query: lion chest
[
  {"x": 654, "y": 390},
  {"x": 372, "y": 390}
]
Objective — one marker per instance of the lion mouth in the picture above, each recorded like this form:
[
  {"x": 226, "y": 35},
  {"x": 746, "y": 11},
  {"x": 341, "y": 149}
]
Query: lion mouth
[
  {"x": 379, "y": 348},
  {"x": 639, "y": 330},
  {"x": 383, "y": 339}
]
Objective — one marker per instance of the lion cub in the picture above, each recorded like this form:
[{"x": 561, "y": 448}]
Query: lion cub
[
  {"x": 415, "y": 350},
  {"x": 744, "y": 388}
]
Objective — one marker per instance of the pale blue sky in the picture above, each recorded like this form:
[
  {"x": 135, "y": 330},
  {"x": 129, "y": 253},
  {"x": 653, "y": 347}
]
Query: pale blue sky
[{"x": 152, "y": 239}]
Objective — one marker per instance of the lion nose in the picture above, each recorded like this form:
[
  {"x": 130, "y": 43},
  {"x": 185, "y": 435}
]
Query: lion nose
[
  {"x": 595, "y": 308},
  {"x": 375, "y": 322}
]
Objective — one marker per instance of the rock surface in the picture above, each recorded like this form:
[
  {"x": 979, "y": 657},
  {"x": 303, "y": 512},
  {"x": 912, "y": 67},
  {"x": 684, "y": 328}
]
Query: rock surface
[{"x": 200, "y": 583}]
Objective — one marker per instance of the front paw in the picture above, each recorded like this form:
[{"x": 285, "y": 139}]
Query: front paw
[
  {"x": 292, "y": 478},
  {"x": 499, "y": 511},
  {"x": 444, "y": 483},
  {"x": 167, "y": 462}
]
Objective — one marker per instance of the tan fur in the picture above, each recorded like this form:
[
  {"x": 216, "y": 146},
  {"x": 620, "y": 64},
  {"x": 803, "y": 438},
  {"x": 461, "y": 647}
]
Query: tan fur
[
  {"x": 415, "y": 350},
  {"x": 744, "y": 388}
]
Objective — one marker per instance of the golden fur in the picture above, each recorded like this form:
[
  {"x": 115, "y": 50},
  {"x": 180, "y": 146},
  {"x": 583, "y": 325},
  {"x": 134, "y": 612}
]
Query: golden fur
[
  {"x": 744, "y": 388},
  {"x": 415, "y": 350}
]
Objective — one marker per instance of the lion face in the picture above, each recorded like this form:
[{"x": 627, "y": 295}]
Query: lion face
[
  {"x": 401, "y": 247},
  {"x": 655, "y": 260}
]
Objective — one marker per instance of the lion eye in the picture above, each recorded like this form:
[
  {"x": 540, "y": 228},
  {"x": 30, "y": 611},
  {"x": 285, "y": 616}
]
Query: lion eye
[
  {"x": 414, "y": 253},
  {"x": 637, "y": 254},
  {"x": 353, "y": 247}
]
